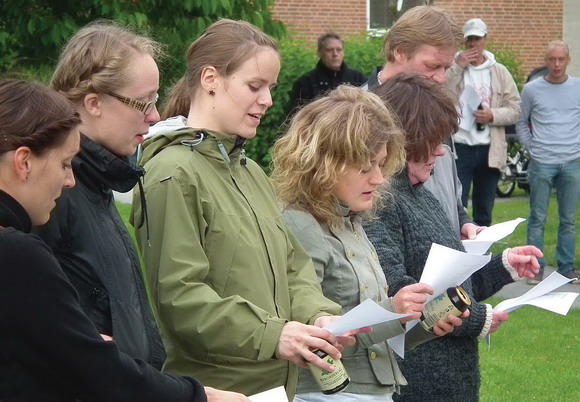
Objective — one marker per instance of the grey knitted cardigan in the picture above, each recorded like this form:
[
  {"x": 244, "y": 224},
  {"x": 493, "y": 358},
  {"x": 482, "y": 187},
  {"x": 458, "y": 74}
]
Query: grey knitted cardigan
[{"x": 446, "y": 368}]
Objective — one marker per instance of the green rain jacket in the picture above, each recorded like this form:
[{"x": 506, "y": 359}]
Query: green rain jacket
[{"x": 224, "y": 270}]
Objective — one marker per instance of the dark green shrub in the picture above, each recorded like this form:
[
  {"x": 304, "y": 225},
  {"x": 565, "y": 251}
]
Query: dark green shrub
[
  {"x": 363, "y": 52},
  {"x": 298, "y": 57},
  {"x": 509, "y": 58},
  {"x": 33, "y": 31}
]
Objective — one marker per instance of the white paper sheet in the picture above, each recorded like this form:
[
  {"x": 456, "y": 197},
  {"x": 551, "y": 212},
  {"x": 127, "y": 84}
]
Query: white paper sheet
[
  {"x": 468, "y": 101},
  {"x": 446, "y": 267},
  {"x": 490, "y": 235},
  {"x": 277, "y": 394},
  {"x": 540, "y": 296},
  {"x": 366, "y": 314},
  {"x": 397, "y": 343},
  {"x": 556, "y": 302}
]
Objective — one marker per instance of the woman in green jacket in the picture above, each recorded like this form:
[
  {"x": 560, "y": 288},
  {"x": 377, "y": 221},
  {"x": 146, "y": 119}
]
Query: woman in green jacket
[{"x": 236, "y": 295}]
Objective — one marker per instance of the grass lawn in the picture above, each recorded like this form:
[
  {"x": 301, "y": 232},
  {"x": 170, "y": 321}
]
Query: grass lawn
[
  {"x": 520, "y": 208},
  {"x": 535, "y": 356}
]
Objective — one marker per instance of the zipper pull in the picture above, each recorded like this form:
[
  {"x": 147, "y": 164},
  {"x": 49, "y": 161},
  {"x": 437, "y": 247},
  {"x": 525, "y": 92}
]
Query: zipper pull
[
  {"x": 224, "y": 152},
  {"x": 243, "y": 160}
]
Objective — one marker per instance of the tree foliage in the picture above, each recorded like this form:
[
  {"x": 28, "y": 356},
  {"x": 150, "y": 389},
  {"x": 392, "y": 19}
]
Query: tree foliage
[{"x": 32, "y": 32}]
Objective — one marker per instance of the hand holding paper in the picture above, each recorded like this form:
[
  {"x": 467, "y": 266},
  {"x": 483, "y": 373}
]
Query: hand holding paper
[
  {"x": 490, "y": 235},
  {"x": 469, "y": 101},
  {"x": 366, "y": 314}
]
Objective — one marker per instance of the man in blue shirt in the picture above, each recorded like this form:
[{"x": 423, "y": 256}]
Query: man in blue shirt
[{"x": 549, "y": 129}]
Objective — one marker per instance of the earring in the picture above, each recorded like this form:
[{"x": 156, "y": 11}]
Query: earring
[{"x": 211, "y": 92}]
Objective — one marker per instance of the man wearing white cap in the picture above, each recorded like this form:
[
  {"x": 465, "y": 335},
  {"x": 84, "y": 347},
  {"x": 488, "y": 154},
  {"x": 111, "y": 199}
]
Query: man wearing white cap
[{"x": 481, "y": 146}]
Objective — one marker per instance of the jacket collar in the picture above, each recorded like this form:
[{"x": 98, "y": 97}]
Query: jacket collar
[
  {"x": 347, "y": 217},
  {"x": 12, "y": 214},
  {"x": 95, "y": 165},
  {"x": 211, "y": 144},
  {"x": 228, "y": 147},
  {"x": 373, "y": 79},
  {"x": 321, "y": 67}
]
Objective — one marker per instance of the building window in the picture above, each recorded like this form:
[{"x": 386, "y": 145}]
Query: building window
[{"x": 382, "y": 14}]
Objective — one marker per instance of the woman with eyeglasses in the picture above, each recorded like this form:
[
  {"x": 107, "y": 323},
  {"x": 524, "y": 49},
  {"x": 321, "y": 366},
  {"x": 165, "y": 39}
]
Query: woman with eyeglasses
[
  {"x": 51, "y": 351},
  {"x": 111, "y": 76}
]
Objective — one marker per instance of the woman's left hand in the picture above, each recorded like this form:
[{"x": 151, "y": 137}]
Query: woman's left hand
[{"x": 525, "y": 260}]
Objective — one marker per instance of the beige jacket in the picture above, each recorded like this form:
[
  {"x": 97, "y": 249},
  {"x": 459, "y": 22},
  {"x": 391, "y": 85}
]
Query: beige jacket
[{"x": 505, "y": 106}]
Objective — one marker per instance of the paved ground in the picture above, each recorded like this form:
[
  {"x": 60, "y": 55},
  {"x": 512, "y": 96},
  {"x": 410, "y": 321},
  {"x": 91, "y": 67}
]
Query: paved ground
[{"x": 520, "y": 287}]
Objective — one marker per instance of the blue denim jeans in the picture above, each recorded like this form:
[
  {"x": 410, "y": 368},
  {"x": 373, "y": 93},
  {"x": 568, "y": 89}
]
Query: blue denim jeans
[
  {"x": 565, "y": 177},
  {"x": 472, "y": 167}
]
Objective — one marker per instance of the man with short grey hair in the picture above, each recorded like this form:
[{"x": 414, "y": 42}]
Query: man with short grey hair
[{"x": 551, "y": 105}]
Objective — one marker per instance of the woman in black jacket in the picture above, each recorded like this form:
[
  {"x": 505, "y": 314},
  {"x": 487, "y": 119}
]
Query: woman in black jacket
[
  {"x": 111, "y": 76},
  {"x": 50, "y": 349}
]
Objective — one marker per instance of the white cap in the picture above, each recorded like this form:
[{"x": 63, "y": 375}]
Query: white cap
[{"x": 474, "y": 27}]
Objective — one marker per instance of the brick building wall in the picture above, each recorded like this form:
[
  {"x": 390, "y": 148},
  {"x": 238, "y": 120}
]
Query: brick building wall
[
  {"x": 526, "y": 26},
  {"x": 309, "y": 19}
]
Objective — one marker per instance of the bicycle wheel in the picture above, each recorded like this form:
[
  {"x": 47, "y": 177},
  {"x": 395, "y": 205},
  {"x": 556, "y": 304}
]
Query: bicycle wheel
[{"x": 505, "y": 187}]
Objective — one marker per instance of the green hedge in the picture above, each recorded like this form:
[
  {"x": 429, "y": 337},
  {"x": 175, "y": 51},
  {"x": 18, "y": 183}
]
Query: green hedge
[
  {"x": 298, "y": 57},
  {"x": 362, "y": 52}
]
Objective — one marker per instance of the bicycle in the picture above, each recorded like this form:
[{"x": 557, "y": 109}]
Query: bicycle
[{"x": 516, "y": 170}]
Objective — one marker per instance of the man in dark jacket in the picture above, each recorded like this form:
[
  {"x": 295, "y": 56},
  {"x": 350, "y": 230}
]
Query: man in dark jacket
[{"x": 330, "y": 72}]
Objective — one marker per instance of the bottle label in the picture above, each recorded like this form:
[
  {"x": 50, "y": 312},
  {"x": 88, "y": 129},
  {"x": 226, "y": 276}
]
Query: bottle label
[
  {"x": 330, "y": 383},
  {"x": 437, "y": 309}
]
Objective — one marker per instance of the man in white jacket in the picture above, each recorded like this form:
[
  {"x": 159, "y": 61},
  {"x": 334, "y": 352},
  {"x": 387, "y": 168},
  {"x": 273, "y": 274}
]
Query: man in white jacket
[{"x": 481, "y": 148}]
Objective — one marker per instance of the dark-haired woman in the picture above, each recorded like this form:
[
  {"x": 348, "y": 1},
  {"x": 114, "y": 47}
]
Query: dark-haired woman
[{"x": 51, "y": 351}]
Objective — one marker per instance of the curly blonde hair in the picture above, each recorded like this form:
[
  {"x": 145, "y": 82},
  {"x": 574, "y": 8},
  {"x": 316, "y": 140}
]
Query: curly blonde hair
[{"x": 345, "y": 129}]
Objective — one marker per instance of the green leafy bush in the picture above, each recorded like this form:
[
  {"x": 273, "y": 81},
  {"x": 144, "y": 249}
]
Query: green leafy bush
[
  {"x": 33, "y": 32},
  {"x": 362, "y": 52},
  {"x": 509, "y": 58}
]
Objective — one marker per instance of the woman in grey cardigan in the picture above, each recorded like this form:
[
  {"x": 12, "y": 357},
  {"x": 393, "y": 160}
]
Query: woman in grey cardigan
[
  {"x": 446, "y": 369},
  {"x": 329, "y": 169}
]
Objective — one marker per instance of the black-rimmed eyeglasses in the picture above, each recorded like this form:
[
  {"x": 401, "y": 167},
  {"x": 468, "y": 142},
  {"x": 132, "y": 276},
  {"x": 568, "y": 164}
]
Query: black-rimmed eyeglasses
[{"x": 143, "y": 107}]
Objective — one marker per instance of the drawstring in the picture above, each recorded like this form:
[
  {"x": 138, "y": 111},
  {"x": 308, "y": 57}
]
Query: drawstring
[
  {"x": 199, "y": 137},
  {"x": 144, "y": 214}
]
